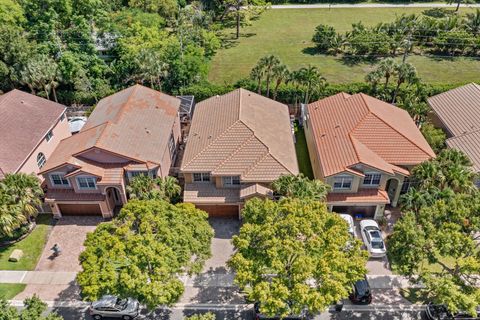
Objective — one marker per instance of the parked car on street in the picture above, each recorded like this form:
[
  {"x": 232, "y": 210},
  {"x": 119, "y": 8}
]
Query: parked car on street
[
  {"x": 361, "y": 293},
  {"x": 113, "y": 307},
  {"x": 372, "y": 237},
  {"x": 441, "y": 312},
  {"x": 351, "y": 227},
  {"x": 260, "y": 316}
]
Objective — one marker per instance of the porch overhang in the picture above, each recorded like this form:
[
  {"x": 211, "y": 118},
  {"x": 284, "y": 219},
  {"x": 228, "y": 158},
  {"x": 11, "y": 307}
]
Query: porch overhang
[
  {"x": 207, "y": 193},
  {"x": 363, "y": 196}
]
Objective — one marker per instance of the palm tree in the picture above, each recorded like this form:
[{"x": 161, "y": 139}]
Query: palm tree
[
  {"x": 143, "y": 187},
  {"x": 472, "y": 22},
  {"x": 269, "y": 63},
  {"x": 20, "y": 198},
  {"x": 413, "y": 200},
  {"x": 150, "y": 68},
  {"x": 374, "y": 77},
  {"x": 311, "y": 78},
  {"x": 281, "y": 74},
  {"x": 300, "y": 187},
  {"x": 257, "y": 74},
  {"x": 406, "y": 73},
  {"x": 387, "y": 67},
  {"x": 169, "y": 187}
]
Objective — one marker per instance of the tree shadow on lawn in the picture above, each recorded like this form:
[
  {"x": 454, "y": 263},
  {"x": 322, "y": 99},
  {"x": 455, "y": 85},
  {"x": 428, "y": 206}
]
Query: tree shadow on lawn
[
  {"x": 229, "y": 40},
  {"x": 351, "y": 61}
]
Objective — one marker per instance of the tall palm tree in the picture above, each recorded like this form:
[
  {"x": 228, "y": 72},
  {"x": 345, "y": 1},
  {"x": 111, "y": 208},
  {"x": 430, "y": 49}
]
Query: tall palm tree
[
  {"x": 311, "y": 78},
  {"x": 472, "y": 22},
  {"x": 150, "y": 68},
  {"x": 387, "y": 67},
  {"x": 374, "y": 77},
  {"x": 20, "y": 198},
  {"x": 269, "y": 63},
  {"x": 281, "y": 74},
  {"x": 406, "y": 73},
  {"x": 257, "y": 74}
]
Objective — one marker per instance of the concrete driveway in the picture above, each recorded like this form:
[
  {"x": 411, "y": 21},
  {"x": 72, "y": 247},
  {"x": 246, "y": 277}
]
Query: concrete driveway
[
  {"x": 222, "y": 247},
  {"x": 69, "y": 233}
]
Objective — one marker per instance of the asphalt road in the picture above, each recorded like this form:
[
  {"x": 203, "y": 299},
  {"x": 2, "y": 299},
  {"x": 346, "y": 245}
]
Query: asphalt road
[{"x": 180, "y": 313}]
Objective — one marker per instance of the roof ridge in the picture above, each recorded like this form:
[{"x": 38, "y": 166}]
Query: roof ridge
[
  {"x": 243, "y": 144},
  {"x": 214, "y": 140},
  {"x": 256, "y": 163},
  {"x": 350, "y": 136},
  {"x": 464, "y": 134}
]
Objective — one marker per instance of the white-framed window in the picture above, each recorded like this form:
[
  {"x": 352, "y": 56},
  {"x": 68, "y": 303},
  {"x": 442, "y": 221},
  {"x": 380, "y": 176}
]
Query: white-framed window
[
  {"x": 41, "y": 160},
  {"x": 171, "y": 145},
  {"x": 231, "y": 181},
  {"x": 372, "y": 179},
  {"x": 58, "y": 179},
  {"x": 342, "y": 183},
  {"x": 201, "y": 177},
  {"x": 86, "y": 183},
  {"x": 49, "y": 135}
]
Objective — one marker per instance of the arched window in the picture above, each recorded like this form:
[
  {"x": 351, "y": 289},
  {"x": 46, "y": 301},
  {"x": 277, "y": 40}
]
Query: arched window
[{"x": 41, "y": 160}]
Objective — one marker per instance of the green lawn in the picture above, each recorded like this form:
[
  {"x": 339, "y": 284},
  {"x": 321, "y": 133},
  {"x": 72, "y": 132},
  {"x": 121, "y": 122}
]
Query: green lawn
[
  {"x": 32, "y": 247},
  {"x": 10, "y": 290},
  {"x": 302, "y": 154},
  {"x": 287, "y": 33}
]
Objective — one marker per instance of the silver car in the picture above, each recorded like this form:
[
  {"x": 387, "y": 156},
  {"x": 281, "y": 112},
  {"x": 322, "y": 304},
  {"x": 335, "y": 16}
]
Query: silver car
[{"x": 113, "y": 307}]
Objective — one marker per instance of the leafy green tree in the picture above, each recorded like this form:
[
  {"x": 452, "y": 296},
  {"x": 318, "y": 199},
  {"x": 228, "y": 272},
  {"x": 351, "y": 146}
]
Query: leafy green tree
[
  {"x": 11, "y": 13},
  {"x": 163, "y": 7},
  {"x": 324, "y": 37},
  {"x": 434, "y": 136},
  {"x": 242, "y": 10},
  {"x": 294, "y": 254},
  {"x": 454, "y": 41},
  {"x": 205, "y": 316},
  {"x": 142, "y": 252},
  {"x": 300, "y": 187},
  {"x": 20, "y": 195},
  {"x": 34, "y": 308},
  {"x": 438, "y": 247}
]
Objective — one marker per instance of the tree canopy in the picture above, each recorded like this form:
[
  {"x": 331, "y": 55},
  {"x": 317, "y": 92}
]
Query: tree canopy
[
  {"x": 142, "y": 252},
  {"x": 300, "y": 187},
  {"x": 436, "y": 241},
  {"x": 34, "y": 308},
  {"x": 20, "y": 195},
  {"x": 293, "y": 255},
  {"x": 144, "y": 187}
]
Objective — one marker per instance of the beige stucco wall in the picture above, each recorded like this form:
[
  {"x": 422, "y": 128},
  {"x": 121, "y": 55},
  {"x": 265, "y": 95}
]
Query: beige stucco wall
[
  {"x": 355, "y": 183},
  {"x": 60, "y": 131},
  {"x": 312, "y": 149}
]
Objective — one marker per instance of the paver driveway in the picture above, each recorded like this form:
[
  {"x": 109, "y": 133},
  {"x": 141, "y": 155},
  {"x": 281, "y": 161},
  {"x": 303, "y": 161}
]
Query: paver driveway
[{"x": 69, "y": 233}]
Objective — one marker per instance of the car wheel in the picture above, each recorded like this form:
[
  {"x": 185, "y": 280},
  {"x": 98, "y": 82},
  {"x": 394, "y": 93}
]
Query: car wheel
[
  {"x": 97, "y": 317},
  {"x": 126, "y": 317}
]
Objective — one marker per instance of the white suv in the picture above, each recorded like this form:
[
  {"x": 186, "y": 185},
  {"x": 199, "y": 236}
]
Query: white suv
[{"x": 372, "y": 237}]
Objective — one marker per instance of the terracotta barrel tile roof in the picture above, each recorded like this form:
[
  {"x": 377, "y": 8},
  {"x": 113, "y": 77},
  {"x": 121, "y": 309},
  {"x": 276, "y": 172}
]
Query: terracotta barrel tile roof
[
  {"x": 355, "y": 129},
  {"x": 25, "y": 119},
  {"x": 241, "y": 133}
]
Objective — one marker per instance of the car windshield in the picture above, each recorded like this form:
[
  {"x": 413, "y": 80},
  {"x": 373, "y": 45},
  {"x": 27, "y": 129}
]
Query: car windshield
[
  {"x": 362, "y": 287},
  {"x": 377, "y": 244},
  {"x": 121, "y": 303},
  {"x": 375, "y": 234}
]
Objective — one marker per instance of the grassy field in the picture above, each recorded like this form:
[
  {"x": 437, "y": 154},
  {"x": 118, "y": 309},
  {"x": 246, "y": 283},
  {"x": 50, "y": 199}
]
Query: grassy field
[
  {"x": 10, "y": 290},
  {"x": 32, "y": 247},
  {"x": 288, "y": 33},
  {"x": 302, "y": 154}
]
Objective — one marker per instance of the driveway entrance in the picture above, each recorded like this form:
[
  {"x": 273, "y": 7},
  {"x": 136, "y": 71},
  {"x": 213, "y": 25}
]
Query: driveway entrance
[{"x": 69, "y": 233}]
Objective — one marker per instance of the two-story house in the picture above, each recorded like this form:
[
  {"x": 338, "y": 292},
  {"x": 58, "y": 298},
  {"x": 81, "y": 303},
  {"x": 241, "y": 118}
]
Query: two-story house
[
  {"x": 134, "y": 131},
  {"x": 238, "y": 144},
  {"x": 31, "y": 128},
  {"x": 364, "y": 149}
]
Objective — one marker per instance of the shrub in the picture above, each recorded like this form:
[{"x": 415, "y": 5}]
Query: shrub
[{"x": 324, "y": 37}]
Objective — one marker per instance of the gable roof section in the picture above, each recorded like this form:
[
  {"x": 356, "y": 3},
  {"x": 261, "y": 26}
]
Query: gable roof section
[
  {"x": 458, "y": 109},
  {"x": 25, "y": 119},
  {"x": 354, "y": 129},
  {"x": 468, "y": 143},
  {"x": 241, "y": 133},
  {"x": 134, "y": 123}
]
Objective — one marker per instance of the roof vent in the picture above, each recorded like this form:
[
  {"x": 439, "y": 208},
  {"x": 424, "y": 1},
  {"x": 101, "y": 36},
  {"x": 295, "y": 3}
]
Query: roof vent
[
  {"x": 210, "y": 137},
  {"x": 22, "y": 102},
  {"x": 337, "y": 126},
  {"x": 323, "y": 135},
  {"x": 147, "y": 131}
]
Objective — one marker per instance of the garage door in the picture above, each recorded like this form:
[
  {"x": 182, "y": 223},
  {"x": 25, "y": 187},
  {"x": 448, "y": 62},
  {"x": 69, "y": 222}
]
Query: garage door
[
  {"x": 220, "y": 211},
  {"x": 80, "y": 209}
]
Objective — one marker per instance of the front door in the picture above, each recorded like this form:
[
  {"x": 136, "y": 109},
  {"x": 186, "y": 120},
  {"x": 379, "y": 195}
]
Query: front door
[{"x": 392, "y": 186}]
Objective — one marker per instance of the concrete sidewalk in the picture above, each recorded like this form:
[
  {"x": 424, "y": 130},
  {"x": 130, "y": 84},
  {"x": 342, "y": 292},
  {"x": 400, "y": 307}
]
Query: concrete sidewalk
[{"x": 208, "y": 279}]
